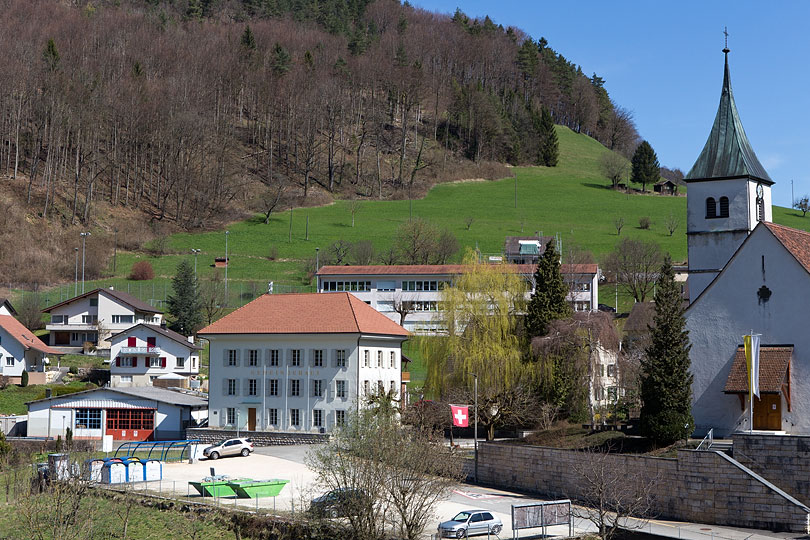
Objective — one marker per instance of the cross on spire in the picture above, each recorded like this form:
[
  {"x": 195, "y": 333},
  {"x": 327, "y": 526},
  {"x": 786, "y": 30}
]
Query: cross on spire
[{"x": 725, "y": 33}]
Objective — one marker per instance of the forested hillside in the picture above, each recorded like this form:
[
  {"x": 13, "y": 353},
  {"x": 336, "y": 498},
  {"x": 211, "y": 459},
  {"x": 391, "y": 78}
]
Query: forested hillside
[{"x": 185, "y": 113}]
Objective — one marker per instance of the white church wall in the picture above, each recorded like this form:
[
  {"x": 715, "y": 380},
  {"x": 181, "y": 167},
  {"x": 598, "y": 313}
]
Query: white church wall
[{"x": 730, "y": 308}]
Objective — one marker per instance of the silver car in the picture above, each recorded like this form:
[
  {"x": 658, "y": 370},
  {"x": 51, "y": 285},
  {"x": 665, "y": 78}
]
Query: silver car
[
  {"x": 229, "y": 447},
  {"x": 469, "y": 523}
]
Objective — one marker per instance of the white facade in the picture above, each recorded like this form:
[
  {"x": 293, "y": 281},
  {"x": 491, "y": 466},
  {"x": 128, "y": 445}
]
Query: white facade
[
  {"x": 142, "y": 353},
  {"x": 713, "y": 240},
  {"x": 20, "y": 350},
  {"x": 298, "y": 382},
  {"x": 6, "y": 308},
  {"x": 95, "y": 316},
  {"x": 733, "y": 306},
  {"x": 387, "y": 291},
  {"x": 605, "y": 383}
]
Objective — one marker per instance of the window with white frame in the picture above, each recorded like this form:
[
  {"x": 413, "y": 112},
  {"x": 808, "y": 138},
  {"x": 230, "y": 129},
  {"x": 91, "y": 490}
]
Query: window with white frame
[
  {"x": 295, "y": 387},
  {"x": 89, "y": 319},
  {"x": 253, "y": 357},
  {"x": 386, "y": 286},
  {"x": 352, "y": 286},
  {"x": 9, "y": 360},
  {"x": 340, "y": 358},
  {"x": 273, "y": 387},
  {"x": 193, "y": 363},
  {"x": 154, "y": 361},
  {"x": 94, "y": 302},
  {"x": 385, "y": 306},
  {"x": 295, "y": 417},
  {"x": 317, "y": 417},
  {"x": 274, "y": 357},
  {"x": 181, "y": 362},
  {"x": 317, "y": 358},
  {"x": 366, "y": 387},
  {"x": 365, "y": 358},
  {"x": 380, "y": 387},
  {"x": 295, "y": 358},
  {"x": 611, "y": 370},
  {"x": 126, "y": 361},
  {"x": 393, "y": 359},
  {"x": 340, "y": 389},
  {"x": 317, "y": 388},
  {"x": 393, "y": 387},
  {"x": 88, "y": 418},
  {"x": 272, "y": 417},
  {"x": 58, "y": 319},
  {"x": 231, "y": 388},
  {"x": 230, "y": 415},
  {"x": 379, "y": 358},
  {"x": 126, "y": 378},
  {"x": 340, "y": 418},
  {"x": 582, "y": 306},
  {"x": 430, "y": 285},
  {"x": 122, "y": 319},
  {"x": 231, "y": 357},
  {"x": 252, "y": 387}
]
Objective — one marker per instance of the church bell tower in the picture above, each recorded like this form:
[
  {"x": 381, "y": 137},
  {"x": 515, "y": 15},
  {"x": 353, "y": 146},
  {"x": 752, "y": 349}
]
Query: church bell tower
[{"x": 729, "y": 192}]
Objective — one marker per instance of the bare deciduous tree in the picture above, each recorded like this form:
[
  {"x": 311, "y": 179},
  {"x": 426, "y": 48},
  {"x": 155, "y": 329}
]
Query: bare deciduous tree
[
  {"x": 802, "y": 204},
  {"x": 362, "y": 252},
  {"x": 28, "y": 311},
  {"x": 354, "y": 207},
  {"x": 619, "y": 224},
  {"x": 672, "y": 223},
  {"x": 212, "y": 296},
  {"x": 614, "y": 167},
  {"x": 634, "y": 264}
]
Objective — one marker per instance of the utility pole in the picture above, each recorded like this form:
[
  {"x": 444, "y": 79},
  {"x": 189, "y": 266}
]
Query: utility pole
[
  {"x": 76, "y": 276},
  {"x": 115, "y": 248},
  {"x": 84, "y": 236},
  {"x": 226, "y": 266},
  {"x": 475, "y": 428},
  {"x": 195, "y": 252}
]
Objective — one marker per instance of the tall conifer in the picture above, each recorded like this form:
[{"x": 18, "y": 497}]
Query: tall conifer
[
  {"x": 548, "y": 302},
  {"x": 549, "y": 145},
  {"x": 646, "y": 169},
  {"x": 184, "y": 304},
  {"x": 666, "y": 382}
]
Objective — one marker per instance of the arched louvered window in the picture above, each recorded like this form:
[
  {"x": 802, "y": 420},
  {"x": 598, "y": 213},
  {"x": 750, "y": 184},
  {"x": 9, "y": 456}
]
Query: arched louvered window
[
  {"x": 760, "y": 209},
  {"x": 723, "y": 207},
  {"x": 711, "y": 208}
]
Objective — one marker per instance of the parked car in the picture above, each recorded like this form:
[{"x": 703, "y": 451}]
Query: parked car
[
  {"x": 229, "y": 447},
  {"x": 470, "y": 523},
  {"x": 338, "y": 502}
]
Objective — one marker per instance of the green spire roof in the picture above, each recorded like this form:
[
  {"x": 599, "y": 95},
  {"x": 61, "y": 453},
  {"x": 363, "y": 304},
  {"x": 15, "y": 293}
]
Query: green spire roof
[{"x": 727, "y": 152}]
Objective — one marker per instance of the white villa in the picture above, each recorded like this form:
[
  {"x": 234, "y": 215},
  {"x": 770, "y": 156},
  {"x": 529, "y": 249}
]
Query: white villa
[
  {"x": 417, "y": 289},
  {"x": 21, "y": 350},
  {"x": 299, "y": 362},
  {"x": 145, "y": 352},
  {"x": 94, "y": 316}
]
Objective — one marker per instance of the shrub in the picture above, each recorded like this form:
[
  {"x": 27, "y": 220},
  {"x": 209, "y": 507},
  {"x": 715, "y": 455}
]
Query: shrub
[
  {"x": 141, "y": 270},
  {"x": 644, "y": 222},
  {"x": 273, "y": 253},
  {"x": 24, "y": 379},
  {"x": 73, "y": 370},
  {"x": 4, "y": 382}
]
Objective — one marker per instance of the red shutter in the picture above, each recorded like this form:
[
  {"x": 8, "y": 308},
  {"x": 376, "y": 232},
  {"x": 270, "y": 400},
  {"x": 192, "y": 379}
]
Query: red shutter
[
  {"x": 118, "y": 361},
  {"x": 162, "y": 361},
  {"x": 134, "y": 361},
  {"x": 131, "y": 342},
  {"x": 150, "y": 341}
]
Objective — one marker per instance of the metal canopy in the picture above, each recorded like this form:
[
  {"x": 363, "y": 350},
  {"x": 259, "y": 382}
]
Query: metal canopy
[{"x": 727, "y": 153}]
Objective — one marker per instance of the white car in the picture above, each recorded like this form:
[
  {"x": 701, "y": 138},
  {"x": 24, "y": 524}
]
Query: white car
[
  {"x": 229, "y": 447},
  {"x": 470, "y": 523}
]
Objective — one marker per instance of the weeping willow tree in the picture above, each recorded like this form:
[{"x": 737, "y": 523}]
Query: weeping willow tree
[{"x": 481, "y": 311}]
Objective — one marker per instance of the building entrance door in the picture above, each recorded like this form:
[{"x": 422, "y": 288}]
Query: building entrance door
[
  {"x": 768, "y": 412},
  {"x": 252, "y": 419}
]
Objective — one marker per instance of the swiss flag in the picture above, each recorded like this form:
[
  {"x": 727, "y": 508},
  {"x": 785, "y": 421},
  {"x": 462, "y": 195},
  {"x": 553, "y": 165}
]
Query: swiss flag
[{"x": 461, "y": 416}]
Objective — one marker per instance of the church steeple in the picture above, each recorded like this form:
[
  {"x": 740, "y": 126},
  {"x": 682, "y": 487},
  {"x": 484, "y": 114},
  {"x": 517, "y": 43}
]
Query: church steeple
[{"x": 727, "y": 153}]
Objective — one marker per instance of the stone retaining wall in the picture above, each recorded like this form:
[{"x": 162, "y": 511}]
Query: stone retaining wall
[
  {"x": 782, "y": 459},
  {"x": 702, "y": 487},
  {"x": 260, "y": 438}
]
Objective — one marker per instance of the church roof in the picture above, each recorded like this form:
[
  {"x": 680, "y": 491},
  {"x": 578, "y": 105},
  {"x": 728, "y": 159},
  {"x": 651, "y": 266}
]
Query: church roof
[
  {"x": 795, "y": 241},
  {"x": 774, "y": 362},
  {"x": 727, "y": 153}
]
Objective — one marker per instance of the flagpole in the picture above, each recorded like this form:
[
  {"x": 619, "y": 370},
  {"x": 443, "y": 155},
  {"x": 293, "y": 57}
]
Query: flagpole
[{"x": 475, "y": 429}]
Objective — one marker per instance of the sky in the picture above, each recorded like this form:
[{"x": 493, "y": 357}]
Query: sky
[{"x": 663, "y": 61}]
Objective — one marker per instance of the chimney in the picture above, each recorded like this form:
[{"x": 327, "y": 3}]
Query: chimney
[
  {"x": 270, "y": 288},
  {"x": 163, "y": 324},
  {"x": 112, "y": 288}
]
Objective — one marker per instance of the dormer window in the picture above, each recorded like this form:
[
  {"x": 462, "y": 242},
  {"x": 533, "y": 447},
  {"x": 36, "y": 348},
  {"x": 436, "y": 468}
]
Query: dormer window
[
  {"x": 711, "y": 208},
  {"x": 723, "y": 207}
]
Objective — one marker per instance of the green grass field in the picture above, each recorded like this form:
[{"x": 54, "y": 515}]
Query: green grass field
[{"x": 13, "y": 398}]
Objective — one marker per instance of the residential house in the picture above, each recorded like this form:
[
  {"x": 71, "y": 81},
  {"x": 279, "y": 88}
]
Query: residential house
[
  {"x": 128, "y": 414},
  {"x": 410, "y": 294},
  {"x": 96, "y": 315},
  {"x": 21, "y": 350},
  {"x": 142, "y": 353},
  {"x": 525, "y": 249},
  {"x": 6, "y": 308},
  {"x": 300, "y": 362}
]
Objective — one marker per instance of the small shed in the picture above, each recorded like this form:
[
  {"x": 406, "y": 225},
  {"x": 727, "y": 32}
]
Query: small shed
[
  {"x": 220, "y": 262},
  {"x": 666, "y": 187}
]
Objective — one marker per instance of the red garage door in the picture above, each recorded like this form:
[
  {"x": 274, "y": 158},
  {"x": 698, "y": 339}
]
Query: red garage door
[{"x": 131, "y": 424}]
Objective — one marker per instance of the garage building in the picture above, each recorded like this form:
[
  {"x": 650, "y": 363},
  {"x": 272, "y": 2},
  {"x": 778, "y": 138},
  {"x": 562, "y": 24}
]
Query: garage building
[{"x": 128, "y": 414}]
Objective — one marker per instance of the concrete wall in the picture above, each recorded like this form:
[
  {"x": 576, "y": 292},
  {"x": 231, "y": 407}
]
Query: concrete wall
[
  {"x": 260, "y": 438},
  {"x": 702, "y": 487}
]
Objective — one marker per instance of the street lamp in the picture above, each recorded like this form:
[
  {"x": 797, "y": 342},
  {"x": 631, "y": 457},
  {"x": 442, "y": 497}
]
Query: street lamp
[
  {"x": 76, "y": 274},
  {"x": 226, "y": 266},
  {"x": 84, "y": 236},
  {"x": 195, "y": 252},
  {"x": 317, "y": 260}
]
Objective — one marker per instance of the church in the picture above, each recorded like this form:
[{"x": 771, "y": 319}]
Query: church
[{"x": 746, "y": 274}]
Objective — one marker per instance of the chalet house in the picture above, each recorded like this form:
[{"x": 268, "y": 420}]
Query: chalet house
[
  {"x": 419, "y": 287},
  {"x": 128, "y": 414},
  {"x": 21, "y": 350},
  {"x": 666, "y": 187},
  {"x": 525, "y": 249},
  {"x": 300, "y": 362},
  {"x": 94, "y": 316},
  {"x": 144, "y": 352}
]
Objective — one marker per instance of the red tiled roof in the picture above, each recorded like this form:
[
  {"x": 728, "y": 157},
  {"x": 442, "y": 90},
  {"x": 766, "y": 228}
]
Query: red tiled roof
[
  {"x": 23, "y": 335},
  {"x": 137, "y": 304},
  {"x": 773, "y": 367},
  {"x": 438, "y": 269},
  {"x": 309, "y": 313},
  {"x": 795, "y": 241}
]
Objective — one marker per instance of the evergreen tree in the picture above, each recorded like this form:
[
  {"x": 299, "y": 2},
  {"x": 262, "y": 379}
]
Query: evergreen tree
[
  {"x": 280, "y": 63},
  {"x": 548, "y": 302},
  {"x": 50, "y": 55},
  {"x": 248, "y": 41},
  {"x": 666, "y": 382},
  {"x": 184, "y": 303},
  {"x": 646, "y": 169},
  {"x": 24, "y": 379},
  {"x": 549, "y": 146}
]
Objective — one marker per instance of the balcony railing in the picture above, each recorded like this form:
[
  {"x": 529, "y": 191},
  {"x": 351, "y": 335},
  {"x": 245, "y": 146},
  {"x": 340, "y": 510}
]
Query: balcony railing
[{"x": 143, "y": 351}]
